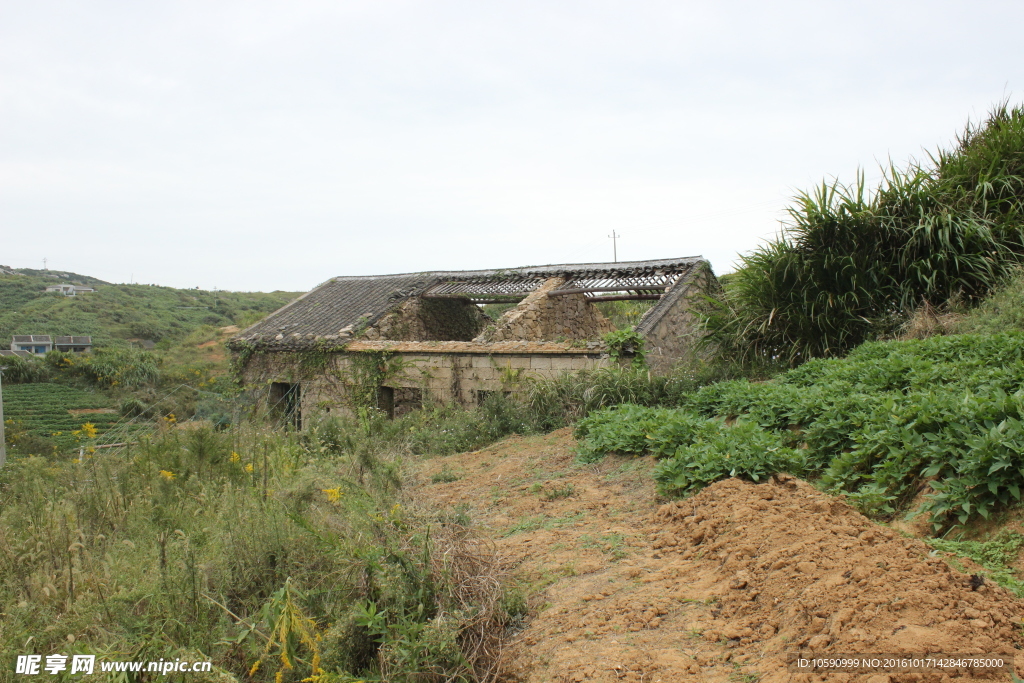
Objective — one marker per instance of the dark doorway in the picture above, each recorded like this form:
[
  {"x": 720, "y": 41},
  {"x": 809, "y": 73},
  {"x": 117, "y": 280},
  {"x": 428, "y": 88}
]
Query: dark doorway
[
  {"x": 407, "y": 399},
  {"x": 386, "y": 400},
  {"x": 286, "y": 402}
]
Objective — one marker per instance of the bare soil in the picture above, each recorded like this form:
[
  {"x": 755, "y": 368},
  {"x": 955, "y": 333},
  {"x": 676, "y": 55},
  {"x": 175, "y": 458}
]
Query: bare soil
[{"x": 729, "y": 585}]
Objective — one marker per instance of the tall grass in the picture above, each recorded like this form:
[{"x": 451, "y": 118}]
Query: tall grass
[
  {"x": 278, "y": 555},
  {"x": 851, "y": 264},
  {"x": 1003, "y": 311}
]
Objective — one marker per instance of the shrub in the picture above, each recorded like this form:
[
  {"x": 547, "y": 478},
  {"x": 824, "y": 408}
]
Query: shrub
[
  {"x": 850, "y": 265},
  {"x": 279, "y": 556},
  {"x": 879, "y": 425},
  {"x": 20, "y": 370}
]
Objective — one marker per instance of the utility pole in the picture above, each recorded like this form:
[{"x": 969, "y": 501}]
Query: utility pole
[
  {"x": 615, "y": 248},
  {"x": 3, "y": 435},
  {"x": 44, "y": 263}
]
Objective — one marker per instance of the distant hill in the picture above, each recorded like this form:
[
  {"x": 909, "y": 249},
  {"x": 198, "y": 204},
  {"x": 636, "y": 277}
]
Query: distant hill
[
  {"x": 58, "y": 277},
  {"x": 115, "y": 313}
]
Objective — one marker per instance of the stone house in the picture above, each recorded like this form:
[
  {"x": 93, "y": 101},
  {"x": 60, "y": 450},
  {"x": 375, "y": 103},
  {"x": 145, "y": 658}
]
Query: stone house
[{"x": 395, "y": 341}]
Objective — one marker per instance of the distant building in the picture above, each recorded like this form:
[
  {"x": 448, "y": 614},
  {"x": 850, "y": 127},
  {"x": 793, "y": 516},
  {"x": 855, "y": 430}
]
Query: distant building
[
  {"x": 41, "y": 344},
  {"x": 22, "y": 354},
  {"x": 37, "y": 344},
  {"x": 70, "y": 290},
  {"x": 74, "y": 344}
]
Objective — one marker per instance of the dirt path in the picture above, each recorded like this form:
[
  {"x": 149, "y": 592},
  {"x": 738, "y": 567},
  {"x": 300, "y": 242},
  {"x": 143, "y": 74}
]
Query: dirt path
[{"x": 726, "y": 586}]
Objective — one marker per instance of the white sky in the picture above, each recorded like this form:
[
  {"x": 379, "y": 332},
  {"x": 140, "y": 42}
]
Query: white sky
[{"x": 271, "y": 145}]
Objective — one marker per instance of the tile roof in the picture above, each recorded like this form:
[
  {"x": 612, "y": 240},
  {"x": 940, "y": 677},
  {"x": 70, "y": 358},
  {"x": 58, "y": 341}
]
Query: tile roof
[
  {"x": 331, "y": 310},
  {"x": 32, "y": 339},
  {"x": 22, "y": 354},
  {"x": 73, "y": 341}
]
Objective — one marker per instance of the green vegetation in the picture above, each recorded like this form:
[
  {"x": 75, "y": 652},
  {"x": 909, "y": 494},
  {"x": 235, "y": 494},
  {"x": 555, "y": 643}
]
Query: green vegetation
[
  {"x": 852, "y": 264},
  {"x": 624, "y": 315},
  {"x": 288, "y": 556},
  {"x": 114, "y": 313},
  {"x": 627, "y": 343},
  {"x": 43, "y": 410},
  {"x": 995, "y": 555},
  {"x": 1001, "y": 312},
  {"x": 278, "y": 555},
  {"x": 877, "y": 425}
]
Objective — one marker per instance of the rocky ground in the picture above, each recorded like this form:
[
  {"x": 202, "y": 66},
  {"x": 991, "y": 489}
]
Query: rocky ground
[{"x": 729, "y": 585}]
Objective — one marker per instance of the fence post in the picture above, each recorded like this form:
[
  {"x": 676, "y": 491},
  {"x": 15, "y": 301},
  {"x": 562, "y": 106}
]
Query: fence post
[{"x": 3, "y": 434}]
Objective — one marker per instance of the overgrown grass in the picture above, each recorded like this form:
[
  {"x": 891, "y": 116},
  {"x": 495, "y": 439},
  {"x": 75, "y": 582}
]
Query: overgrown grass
[
  {"x": 1003, "y": 311},
  {"x": 852, "y": 264},
  {"x": 115, "y": 312},
  {"x": 996, "y": 556},
  {"x": 298, "y": 552}
]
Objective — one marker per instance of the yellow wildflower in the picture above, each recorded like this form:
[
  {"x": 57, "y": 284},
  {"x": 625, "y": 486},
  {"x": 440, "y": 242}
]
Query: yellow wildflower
[
  {"x": 167, "y": 474},
  {"x": 248, "y": 468},
  {"x": 235, "y": 457},
  {"x": 333, "y": 495},
  {"x": 170, "y": 419},
  {"x": 89, "y": 429}
]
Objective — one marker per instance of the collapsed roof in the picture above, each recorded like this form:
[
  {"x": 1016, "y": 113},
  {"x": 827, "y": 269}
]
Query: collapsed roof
[{"x": 332, "y": 310}]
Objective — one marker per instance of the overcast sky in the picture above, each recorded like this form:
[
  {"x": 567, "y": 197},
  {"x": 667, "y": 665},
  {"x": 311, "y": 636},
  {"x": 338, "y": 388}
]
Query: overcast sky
[{"x": 271, "y": 145}]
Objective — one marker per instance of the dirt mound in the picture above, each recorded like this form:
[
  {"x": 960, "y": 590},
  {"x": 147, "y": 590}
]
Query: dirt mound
[
  {"x": 721, "y": 587},
  {"x": 796, "y": 570}
]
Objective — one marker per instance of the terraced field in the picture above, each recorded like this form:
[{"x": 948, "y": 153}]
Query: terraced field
[{"x": 55, "y": 410}]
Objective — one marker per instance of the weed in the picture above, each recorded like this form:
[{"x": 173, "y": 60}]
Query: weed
[
  {"x": 445, "y": 476},
  {"x": 527, "y": 524},
  {"x": 996, "y": 556},
  {"x": 290, "y": 550},
  {"x": 555, "y": 522},
  {"x": 563, "y": 491}
]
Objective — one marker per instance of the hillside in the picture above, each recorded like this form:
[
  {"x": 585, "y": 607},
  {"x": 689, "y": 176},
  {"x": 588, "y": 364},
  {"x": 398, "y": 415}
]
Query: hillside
[{"x": 118, "y": 312}]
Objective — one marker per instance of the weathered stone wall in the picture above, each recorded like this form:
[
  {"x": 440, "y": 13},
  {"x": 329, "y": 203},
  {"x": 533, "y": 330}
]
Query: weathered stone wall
[
  {"x": 434, "y": 375},
  {"x": 429, "y": 320},
  {"x": 671, "y": 339},
  {"x": 540, "y": 317}
]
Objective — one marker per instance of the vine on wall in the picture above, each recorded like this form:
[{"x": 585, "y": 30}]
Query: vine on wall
[{"x": 627, "y": 344}]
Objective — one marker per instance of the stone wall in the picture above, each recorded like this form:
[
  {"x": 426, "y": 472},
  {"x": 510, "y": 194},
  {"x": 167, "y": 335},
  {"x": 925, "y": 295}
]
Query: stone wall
[
  {"x": 541, "y": 317},
  {"x": 429, "y": 320},
  {"x": 670, "y": 340},
  {"x": 439, "y": 375}
]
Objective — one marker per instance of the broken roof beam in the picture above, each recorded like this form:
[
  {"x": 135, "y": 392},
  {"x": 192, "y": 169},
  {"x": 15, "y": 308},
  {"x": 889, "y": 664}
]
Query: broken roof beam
[
  {"x": 479, "y": 298},
  {"x": 625, "y": 297},
  {"x": 585, "y": 290}
]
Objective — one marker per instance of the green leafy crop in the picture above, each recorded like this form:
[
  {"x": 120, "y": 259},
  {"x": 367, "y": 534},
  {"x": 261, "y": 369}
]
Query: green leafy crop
[{"x": 944, "y": 414}]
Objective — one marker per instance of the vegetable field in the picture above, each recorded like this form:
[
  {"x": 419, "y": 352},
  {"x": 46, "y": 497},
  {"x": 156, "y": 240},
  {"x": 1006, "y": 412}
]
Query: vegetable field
[
  {"x": 42, "y": 409},
  {"x": 944, "y": 415}
]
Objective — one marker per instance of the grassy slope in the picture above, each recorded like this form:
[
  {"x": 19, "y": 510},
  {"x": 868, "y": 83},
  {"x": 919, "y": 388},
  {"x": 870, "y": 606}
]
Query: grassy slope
[{"x": 119, "y": 312}]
